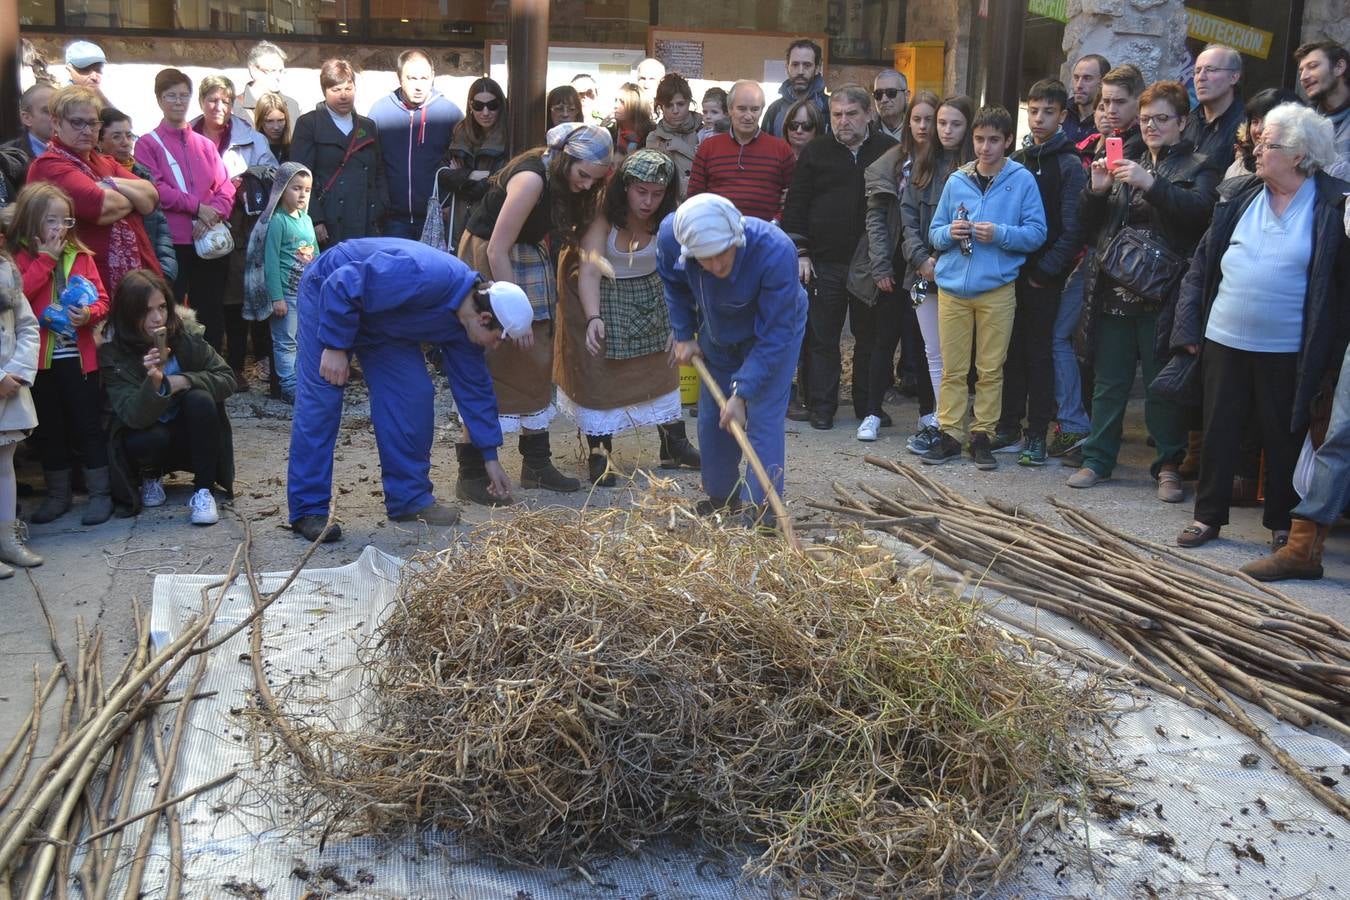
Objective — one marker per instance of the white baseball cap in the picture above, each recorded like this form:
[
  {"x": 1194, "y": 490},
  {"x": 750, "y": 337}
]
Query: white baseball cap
[
  {"x": 511, "y": 307},
  {"x": 82, "y": 54}
]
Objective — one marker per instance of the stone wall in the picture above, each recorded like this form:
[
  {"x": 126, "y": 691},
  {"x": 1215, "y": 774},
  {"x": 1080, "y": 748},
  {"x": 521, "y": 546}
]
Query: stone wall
[
  {"x": 1325, "y": 19},
  {"x": 1149, "y": 33},
  {"x": 948, "y": 21}
]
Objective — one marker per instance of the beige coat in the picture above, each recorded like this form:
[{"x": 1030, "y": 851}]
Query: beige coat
[{"x": 18, "y": 350}]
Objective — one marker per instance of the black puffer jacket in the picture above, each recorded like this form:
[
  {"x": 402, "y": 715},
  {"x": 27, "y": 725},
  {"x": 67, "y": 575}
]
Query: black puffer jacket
[
  {"x": 1326, "y": 308},
  {"x": 1175, "y": 210}
]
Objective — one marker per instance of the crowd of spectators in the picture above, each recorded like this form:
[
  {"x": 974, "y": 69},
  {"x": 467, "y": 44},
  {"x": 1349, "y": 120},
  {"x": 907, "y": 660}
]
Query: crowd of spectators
[{"x": 1199, "y": 237}]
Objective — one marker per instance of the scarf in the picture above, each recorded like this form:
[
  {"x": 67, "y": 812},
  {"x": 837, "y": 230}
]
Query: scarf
[
  {"x": 257, "y": 305},
  {"x": 124, "y": 253}
]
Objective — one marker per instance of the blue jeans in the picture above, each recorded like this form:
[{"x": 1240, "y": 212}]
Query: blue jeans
[
  {"x": 283, "y": 347},
  {"x": 400, "y": 227},
  {"x": 1329, "y": 490},
  {"x": 1068, "y": 380}
]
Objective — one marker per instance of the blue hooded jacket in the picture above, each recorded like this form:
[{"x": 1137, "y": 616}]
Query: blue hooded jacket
[
  {"x": 760, "y": 303},
  {"x": 376, "y": 289},
  {"x": 1013, "y": 204},
  {"x": 412, "y": 142}
]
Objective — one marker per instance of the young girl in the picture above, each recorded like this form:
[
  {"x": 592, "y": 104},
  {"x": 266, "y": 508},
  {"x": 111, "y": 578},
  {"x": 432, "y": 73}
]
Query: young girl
[
  {"x": 66, "y": 389},
  {"x": 931, "y": 165},
  {"x": 549, "y": 191},
  {"x": 18, "y": 366},
  {"x": 632, "y": 120},
  {"x": 612, "y": 365},
  {"x": 166, "y": 413},
  {"x": 278, "y": 250}
]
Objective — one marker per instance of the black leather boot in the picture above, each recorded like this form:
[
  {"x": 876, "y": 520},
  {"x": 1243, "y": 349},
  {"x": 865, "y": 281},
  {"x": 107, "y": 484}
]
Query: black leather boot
[
  {"x": 536, "y": 467},
  {"x": 597, "y": 464},
  {"x": 676, "y": 450},
  {"x": 472, "y": 486}
]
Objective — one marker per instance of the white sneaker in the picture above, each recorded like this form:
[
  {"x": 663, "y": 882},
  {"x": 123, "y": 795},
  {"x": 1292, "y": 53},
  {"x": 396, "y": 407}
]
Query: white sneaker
[
  {"x": 867, "y": 431},
  {"x": 152, "y": 492},
  {"x": 203, "y": 508}
]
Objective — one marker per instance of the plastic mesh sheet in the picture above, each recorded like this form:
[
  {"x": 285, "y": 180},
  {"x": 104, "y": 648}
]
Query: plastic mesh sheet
[{"x": 1203, "y": 824}]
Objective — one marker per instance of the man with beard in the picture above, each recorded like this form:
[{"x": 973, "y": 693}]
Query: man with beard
[
  {"x": 1324, "y": 75},
  {"x": 1087, "y": 77},
  {"x": 804, "y": 80}
]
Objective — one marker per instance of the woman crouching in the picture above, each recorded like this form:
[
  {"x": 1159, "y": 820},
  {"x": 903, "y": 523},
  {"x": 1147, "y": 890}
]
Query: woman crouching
[
  {"x": 612, "y": 364},
  {"x": 168, "y": 410}
]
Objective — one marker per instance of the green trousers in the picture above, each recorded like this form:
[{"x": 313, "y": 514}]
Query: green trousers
[{"x": 1120, "y": 343}]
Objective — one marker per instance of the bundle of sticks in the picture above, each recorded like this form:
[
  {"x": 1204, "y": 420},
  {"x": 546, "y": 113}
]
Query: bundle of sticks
[
  {"x": 65, "y": 821},
  {"x": 1195, "y": 631}
]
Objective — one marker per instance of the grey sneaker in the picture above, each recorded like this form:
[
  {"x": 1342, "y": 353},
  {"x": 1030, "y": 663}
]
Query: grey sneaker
[
  {"x": 944, "y": 450},
  {"x": 926, "y": 439}
]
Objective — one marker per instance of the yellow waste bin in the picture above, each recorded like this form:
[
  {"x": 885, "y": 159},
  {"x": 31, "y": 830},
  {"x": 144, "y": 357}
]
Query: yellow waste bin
[
  {"x": 688, "y": 386},
  {"x": 922, "y": 65}
]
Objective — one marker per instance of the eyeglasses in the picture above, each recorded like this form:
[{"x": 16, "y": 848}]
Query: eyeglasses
[
  {"x": 83, "y": 124},
  {"x": 489, "y": 105},
  {"x": 888, "y": 93},
  {"x": 1159, "y": 119},
  {"x": 175, "y": 99},
  {"x": 1262, "y": 146},
  {"x": 64, "y": 222},
  {"x": 1210, "y": 70},
  {"x": 800, "y": 126}
]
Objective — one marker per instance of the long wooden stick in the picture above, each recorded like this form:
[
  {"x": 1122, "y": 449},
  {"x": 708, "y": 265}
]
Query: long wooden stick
[{"x": 738, "y": 433}]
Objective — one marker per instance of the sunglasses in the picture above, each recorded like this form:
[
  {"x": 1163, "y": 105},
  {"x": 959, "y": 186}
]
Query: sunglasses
[
  {"x": 888, "y": 93},
  {"x": 489, "y": 105},
  {"x": 800, "y": 126}
]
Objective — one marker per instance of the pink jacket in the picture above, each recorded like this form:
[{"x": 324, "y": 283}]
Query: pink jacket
[{"x": 203, "y": 174}]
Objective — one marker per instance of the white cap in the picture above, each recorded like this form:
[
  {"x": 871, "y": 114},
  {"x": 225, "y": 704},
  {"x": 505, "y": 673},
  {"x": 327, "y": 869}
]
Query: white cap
[
  {"x": 82, "y": 54},
  {"x": 511, "y": 307}
]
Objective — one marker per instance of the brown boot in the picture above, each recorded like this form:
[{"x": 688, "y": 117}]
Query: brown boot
[
  {"x": 1300, "y": 558},
  {"x": 1189, "y": 469}
]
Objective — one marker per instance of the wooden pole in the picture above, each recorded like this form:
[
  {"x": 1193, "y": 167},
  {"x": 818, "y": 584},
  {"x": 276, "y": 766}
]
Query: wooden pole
[
  {"x": 737, "y": 432},
  {"x": 527, "y": 68},
  {"x": 10, "y": 126}
]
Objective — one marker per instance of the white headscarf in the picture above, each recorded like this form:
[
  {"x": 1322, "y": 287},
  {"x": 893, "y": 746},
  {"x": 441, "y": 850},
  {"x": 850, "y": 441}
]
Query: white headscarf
[{"x": 706, "y": 225}]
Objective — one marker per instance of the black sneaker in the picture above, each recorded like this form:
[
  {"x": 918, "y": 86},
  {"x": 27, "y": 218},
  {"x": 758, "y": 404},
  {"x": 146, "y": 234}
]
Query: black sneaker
[
  {"x": 981, "y": 452},
  {"x": 1006, "y": 442},
  {"x": 945, "y": 449}
]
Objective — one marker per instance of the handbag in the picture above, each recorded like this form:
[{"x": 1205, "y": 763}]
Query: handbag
[
  {"x": 216, "y": 241},
  {"x": 1179, "y": 380},
  {"x": 435, "y": 232},
  {"x": 1142, "y": 266}
]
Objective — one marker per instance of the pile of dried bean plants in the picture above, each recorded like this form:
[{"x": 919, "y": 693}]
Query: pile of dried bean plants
[
  {"x": 563, "y": 684},
  {"x": 1203, "y": 640}
]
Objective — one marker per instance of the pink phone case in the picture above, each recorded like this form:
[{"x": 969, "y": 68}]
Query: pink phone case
[{"x": 1115, "y": 151}]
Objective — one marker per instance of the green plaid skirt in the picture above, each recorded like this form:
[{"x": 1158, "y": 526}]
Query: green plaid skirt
[
  {"x": 637, "y": 322},
  {"x": 533, "y": 271}
]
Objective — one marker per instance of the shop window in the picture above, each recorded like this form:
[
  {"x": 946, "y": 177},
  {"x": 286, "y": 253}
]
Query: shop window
[
  {"x": 37, "y": 12},
  {"x": 596, "y": 22},
  {"x": 858, "y": 30},
  {"x": 278, "y": 17}
]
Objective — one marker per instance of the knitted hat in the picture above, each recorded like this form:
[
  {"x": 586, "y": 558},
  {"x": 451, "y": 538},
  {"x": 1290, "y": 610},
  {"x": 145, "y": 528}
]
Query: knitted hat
[{"x": 706, "y": 225}]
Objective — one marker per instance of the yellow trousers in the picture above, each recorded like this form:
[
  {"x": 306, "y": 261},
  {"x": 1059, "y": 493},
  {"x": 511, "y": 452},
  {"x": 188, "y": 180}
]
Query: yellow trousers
[{"x": 989, "y": 317}]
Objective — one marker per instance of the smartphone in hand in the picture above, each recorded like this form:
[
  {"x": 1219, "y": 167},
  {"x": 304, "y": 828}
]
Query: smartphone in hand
[
  {"x": 162, "y": 343},
  {"x": 1115, "y": 151}
]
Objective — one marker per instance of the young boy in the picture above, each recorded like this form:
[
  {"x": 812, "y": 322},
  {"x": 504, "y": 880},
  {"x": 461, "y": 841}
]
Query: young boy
[
  {"x": 987, "y": 221},
  {"x": 1029, "y": 373},
  {"x": 714, "y": 109},
  {"x": 288, "y": 245}
]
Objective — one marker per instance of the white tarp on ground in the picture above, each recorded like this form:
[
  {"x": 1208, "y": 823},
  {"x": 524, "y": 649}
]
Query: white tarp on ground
[{"x": 1205, "y": 825}]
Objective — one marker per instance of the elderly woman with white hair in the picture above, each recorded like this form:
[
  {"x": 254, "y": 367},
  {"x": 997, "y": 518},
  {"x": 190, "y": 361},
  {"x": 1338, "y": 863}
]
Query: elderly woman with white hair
[
  {"x": 733, "y": 280},
  {"x": 549, "y": 191},
  {"x": 1264, "y": 307}
]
